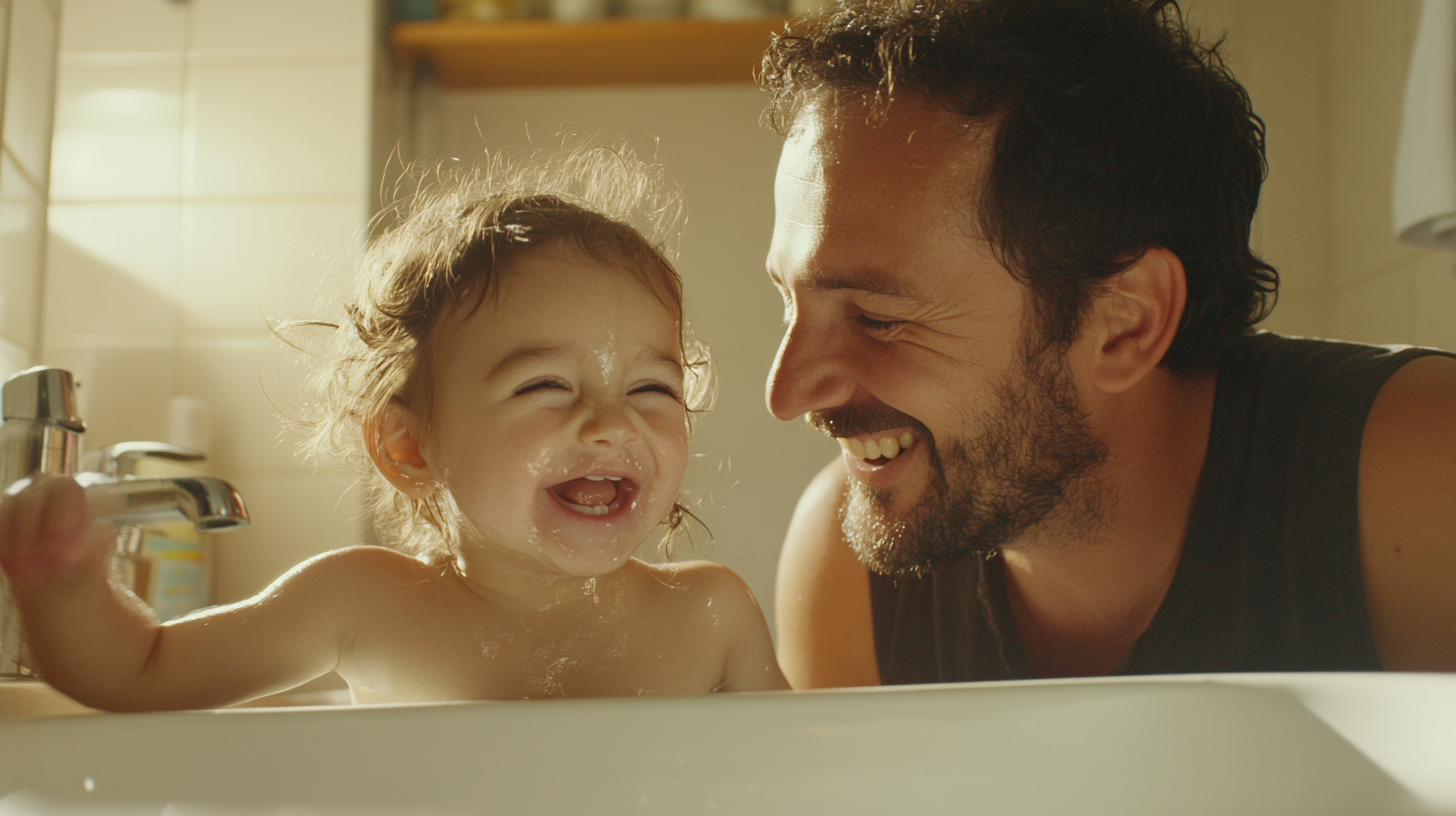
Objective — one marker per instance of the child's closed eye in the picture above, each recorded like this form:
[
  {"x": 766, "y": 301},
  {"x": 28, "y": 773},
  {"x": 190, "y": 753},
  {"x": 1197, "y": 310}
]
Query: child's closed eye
[
  {"x": 547, "y": 384},
  {"x": 658, "y": 388}
]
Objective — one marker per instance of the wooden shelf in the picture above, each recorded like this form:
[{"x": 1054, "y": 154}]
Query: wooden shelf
[{"x": 535, "y": 53}]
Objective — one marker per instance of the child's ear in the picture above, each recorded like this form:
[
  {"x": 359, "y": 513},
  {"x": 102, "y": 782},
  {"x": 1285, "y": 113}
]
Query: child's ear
[
  {"x": 1136, "y": 318},
  {"x": 394, "y": 445}
]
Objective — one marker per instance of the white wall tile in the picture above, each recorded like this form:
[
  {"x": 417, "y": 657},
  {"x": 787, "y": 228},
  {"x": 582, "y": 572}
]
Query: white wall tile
[
  {"x": 1282, "y": 66},
  {"x": 1435, "y": 300},
  {"x": 273, "y": 130},
  {"x": 273, "y": 260},
  {"x": 118, "y": 133},
  {"x": 247, "y": 383},
  {"x": 112, "y": 268},
  {"x": 13, "y": 359},
  {"x": 293, "y": 517},
  {"x": 1378, "y": 309},
  {"x": 123, "y": 391},
  {"x": 1369, "y": 47},
  {"x": 123, "y": 26},
  {"x": 284, "y": 26},
  {"x": 4, "y": 36},
  {"x": 30, "y": 74},
  {"x": 22, "y": 243}
]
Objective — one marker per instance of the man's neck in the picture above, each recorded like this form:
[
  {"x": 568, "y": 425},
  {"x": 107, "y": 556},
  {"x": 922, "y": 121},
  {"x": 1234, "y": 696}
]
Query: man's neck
[{"x": 1083, "y": 594}]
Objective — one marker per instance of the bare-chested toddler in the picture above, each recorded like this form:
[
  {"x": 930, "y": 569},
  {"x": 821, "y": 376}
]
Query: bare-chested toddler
[{"x": 517, "y": 374}]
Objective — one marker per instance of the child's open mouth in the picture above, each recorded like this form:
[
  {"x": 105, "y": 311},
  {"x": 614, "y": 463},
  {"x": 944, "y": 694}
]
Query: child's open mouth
[{"x": 596, "y": 495}]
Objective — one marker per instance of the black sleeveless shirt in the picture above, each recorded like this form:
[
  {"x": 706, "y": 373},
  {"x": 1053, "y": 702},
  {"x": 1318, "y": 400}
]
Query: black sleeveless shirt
[{"x": 1269, "y": 578}]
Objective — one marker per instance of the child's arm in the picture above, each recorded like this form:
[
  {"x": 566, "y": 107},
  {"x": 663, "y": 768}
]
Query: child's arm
[{"x": 100, "y": 644}]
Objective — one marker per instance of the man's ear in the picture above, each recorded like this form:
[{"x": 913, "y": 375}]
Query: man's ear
[
  {"x": 394, "y": 444},
  {"x": 1135, "y": 318}
]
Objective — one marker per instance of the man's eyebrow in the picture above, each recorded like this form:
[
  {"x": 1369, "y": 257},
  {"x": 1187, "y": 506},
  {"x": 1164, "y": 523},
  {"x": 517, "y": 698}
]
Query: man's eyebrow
[{"x": 870, "y": 281}]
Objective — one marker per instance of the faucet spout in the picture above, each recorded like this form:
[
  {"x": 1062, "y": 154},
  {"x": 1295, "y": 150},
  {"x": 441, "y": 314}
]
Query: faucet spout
[{"x": 209, "y": 503}]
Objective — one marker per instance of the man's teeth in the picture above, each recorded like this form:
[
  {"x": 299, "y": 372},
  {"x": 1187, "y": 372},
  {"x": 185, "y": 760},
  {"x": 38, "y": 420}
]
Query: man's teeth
[
  {"x": 887, "y": 447},
  {"x": 603, "y": 478}
]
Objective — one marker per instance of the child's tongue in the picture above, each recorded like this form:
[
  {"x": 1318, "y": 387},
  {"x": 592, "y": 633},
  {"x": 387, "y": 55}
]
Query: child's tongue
[{"x": 588, "y": 492}]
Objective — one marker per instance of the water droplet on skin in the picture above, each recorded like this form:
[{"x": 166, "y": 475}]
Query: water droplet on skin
[{"x": 607, "y": 357}]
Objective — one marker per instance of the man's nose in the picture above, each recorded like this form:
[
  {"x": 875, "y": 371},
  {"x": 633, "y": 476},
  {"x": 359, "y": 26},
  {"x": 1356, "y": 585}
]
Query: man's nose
[{"x": 808, "y": 374}]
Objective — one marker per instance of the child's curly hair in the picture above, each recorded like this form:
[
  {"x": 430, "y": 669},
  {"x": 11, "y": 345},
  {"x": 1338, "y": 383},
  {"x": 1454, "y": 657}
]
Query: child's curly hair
[{"x": 453, "y": 236}]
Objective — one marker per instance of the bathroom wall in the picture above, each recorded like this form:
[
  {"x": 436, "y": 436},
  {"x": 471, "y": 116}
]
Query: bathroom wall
[
  {"x": 209, "y": 173},
  {"x": 1380, "y": 290},
  {"x": 27, "y": 81},
  {"x": 1328, "y": 76}
]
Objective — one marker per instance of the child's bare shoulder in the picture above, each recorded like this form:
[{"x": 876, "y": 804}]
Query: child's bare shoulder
[
  {"x": 701, "y": 584},
  {"x": 362, "y": 568}
]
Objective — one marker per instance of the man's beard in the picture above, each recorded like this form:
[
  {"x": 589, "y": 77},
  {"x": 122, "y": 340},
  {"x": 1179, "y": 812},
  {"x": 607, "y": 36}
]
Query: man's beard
[{"x": 1031, "y": 460}]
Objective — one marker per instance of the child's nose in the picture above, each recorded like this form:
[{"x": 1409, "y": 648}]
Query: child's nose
[{"x": 608, "y": 424}]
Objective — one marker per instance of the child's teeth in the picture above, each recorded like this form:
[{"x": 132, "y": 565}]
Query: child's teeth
[
  {"x": 596, "y": 478},
  {"x": 614, "y": 478}
]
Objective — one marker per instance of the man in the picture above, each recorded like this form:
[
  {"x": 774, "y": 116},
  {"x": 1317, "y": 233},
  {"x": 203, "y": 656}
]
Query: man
[{"x": 1013, "y": 244}]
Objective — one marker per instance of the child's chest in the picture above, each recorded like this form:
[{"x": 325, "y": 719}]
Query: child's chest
[{"x": 490, "y": 658}]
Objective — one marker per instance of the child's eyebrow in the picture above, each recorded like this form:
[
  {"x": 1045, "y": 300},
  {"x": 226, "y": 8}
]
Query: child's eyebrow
[
  {"x": 656, "y": 356},
  {"x": 523, "y": 355},
  {"x": 533, "y": 353}
]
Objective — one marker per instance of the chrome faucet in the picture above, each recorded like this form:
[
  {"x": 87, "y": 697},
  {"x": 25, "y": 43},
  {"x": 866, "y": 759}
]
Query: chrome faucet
[
  {"x": 42, "y": 435},
  {"x": 117, "y": 495}
]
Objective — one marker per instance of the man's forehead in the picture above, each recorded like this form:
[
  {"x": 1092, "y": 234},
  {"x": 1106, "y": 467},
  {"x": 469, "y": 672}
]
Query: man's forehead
[{"x": 847, "y": 157}]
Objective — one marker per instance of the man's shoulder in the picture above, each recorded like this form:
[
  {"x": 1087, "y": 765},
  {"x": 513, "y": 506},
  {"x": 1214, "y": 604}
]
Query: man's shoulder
[
  {"x": 1274, "y": 379},
  {"x": 1281, "y": 353},
  {"x": 1407, "y": 517}
]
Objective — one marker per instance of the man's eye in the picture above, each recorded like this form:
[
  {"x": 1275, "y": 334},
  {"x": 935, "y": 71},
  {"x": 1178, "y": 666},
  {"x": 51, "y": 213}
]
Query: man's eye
[{"x": 878, "y": 326}]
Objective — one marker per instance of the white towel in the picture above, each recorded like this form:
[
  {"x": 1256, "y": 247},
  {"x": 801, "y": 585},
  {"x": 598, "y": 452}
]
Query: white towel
[{"x": 1424, "y": 202}]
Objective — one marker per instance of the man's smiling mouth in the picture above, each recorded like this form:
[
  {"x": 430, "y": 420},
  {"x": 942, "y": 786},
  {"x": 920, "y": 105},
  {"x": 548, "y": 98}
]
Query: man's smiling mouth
[{"x": 877, "y": 448}]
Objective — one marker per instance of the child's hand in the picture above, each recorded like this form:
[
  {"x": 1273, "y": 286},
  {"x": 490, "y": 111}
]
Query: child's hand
[{"x": 47, "y": 535}]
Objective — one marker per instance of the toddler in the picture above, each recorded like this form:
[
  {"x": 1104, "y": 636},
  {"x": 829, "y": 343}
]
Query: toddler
[{"x": 517, "y": 376}]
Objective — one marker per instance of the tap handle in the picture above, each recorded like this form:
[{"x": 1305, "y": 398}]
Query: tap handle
[
  {"x": 44, "y": 394},
  {"x": 120, "y": 459}
]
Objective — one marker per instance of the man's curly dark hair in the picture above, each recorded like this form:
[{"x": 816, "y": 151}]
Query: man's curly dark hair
[{"x": 1116, "y": 131}]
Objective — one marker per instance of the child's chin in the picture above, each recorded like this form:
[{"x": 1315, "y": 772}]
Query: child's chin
[{"x": 588, "y": 561}]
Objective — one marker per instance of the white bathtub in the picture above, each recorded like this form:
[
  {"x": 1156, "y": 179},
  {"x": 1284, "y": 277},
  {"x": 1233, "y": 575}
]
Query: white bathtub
[{"x": 1232, "y": 744}]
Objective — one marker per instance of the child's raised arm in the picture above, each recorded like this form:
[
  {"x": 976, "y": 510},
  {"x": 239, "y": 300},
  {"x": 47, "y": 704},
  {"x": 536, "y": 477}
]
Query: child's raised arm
[{"x": 97, "y": 642}]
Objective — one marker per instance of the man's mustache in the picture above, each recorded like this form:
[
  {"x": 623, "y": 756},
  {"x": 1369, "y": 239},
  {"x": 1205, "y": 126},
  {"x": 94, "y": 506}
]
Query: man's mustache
[{"x": 863, "y": 418}]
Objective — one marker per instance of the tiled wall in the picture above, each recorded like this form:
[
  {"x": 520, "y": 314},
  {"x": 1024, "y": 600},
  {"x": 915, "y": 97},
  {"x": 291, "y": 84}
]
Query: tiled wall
[
  {"x": 27, "y": 80},
  {"x": 1380, "y": 290},
  {"x": 210, "y": 172},
  {"x": 1328, "y": 76}
]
